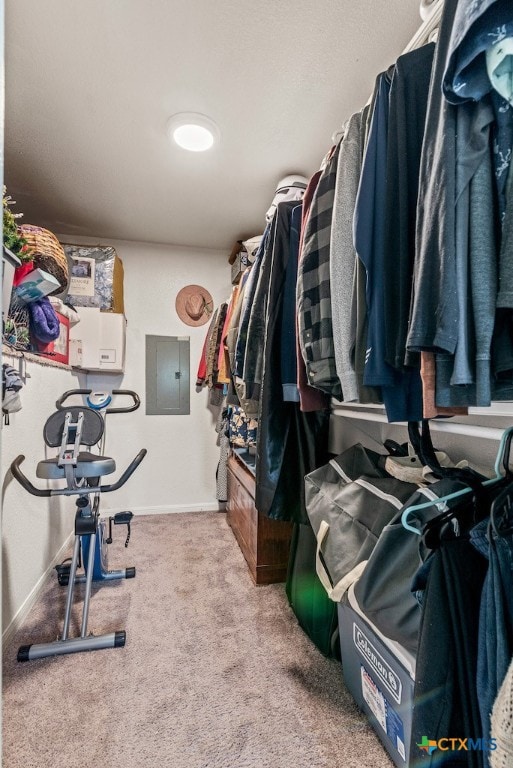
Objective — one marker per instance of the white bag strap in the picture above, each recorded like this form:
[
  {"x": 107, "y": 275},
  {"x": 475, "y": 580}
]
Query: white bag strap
[
  {"x": 319, "y": 565},
  {"x": 336, "y": 591}
]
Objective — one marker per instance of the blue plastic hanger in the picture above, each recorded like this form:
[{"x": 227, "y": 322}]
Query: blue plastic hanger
[{"x": 499, "y": 465}]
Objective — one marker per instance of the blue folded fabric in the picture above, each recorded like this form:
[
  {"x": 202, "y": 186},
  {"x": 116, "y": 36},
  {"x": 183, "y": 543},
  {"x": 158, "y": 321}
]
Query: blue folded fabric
[{"x": 44, "y": 323}]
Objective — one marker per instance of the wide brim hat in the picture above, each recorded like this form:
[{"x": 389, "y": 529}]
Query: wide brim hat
[{"x": 194, "y": 305}]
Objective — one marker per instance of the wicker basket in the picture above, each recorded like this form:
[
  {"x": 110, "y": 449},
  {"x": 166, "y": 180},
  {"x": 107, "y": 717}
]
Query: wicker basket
[{"x": 48, "y": 253}]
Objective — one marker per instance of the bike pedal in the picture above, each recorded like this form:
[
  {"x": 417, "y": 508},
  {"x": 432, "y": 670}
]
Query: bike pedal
[{"x": 123, "y": 518}]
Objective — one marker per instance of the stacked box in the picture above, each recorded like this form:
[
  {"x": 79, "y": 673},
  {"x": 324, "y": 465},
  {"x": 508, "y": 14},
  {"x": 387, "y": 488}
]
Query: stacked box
[
  {"x": 97, "y": 342},
  {"x": 96, "y": 277}
]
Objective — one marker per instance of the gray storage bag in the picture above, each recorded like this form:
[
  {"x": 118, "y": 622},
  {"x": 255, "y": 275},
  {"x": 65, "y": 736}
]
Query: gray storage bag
[
  {"x": 349, "y": 501},
  {"x": 383, "y": 590}
]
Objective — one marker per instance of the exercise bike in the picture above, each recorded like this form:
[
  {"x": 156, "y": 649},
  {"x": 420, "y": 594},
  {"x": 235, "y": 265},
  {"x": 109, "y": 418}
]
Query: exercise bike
[
  {"x": 69, "y": 429},
  {"x": 101, "y": 401}
]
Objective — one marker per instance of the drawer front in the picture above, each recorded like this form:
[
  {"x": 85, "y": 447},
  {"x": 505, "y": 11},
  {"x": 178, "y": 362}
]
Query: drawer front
[
  {"x": 242, "y": 474},
  {"x": 242, "y": 515}
]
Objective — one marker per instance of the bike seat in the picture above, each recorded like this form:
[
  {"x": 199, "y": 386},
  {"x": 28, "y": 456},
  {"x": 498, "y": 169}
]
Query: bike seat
[{"x": 88, "y": 465}]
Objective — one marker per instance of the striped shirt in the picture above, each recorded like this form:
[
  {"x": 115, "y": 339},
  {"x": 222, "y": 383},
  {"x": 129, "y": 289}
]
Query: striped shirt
[{"x": 313, "y": 287}]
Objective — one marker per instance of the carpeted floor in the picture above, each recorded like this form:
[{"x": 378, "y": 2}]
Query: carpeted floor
[{"x": 216, "y": 672}]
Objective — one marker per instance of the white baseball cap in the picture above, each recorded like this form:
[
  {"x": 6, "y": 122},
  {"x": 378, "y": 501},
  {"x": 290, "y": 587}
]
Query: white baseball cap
[{"x": 291, "y": 187}]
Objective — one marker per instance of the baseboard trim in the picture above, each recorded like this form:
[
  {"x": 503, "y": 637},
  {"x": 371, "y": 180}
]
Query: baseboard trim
[
  {"x": 27, "y": 605},
  {"x": 211, "y": 506}
]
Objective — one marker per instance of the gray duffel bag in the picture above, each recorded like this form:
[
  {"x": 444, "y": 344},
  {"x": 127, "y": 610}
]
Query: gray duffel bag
[
  {"x": 348, "y": 502},
  {"x": 384, "y": 588}
]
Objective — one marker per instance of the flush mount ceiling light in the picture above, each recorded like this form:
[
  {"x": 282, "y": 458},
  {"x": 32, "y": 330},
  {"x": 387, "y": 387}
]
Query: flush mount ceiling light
[{"x": 192, "y": 131}]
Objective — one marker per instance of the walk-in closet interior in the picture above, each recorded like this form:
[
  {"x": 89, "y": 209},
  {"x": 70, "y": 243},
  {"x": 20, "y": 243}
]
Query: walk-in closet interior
[{"x": 257, "y": 384}]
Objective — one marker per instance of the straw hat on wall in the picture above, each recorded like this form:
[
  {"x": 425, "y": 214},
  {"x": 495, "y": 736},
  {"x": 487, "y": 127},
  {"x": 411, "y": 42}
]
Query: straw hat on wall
[{"x": 194, "y": 305}]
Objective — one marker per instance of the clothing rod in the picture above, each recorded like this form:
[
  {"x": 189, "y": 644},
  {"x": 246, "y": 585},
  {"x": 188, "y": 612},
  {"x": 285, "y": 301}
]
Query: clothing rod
[
  {"x": 423, "y": 33},
  {"x": 421, "y": 37},
  {"x": 467, "y": 430}
]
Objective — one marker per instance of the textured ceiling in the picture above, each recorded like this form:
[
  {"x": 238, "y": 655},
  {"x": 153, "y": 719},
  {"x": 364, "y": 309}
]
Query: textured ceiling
[{"x": 91, "y": 85}]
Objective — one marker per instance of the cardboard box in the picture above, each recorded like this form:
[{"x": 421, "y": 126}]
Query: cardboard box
[
  {"x": 35, "y": 285},
  {"x": 58, "y": 349},
  {"x": 97, "y": 342},
  {"x": 380, "y": 675}
]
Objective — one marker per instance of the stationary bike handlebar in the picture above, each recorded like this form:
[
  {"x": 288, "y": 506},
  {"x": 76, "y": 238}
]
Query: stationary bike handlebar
[
  {"x": 25, "y": 482},
  {"x": 128, "y": 392},
  {"x": 126, "y": 474}
]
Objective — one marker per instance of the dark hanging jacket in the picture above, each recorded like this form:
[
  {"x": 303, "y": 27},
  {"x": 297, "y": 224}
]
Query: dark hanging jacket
[
  {"x": 434, "y": 316},
  {"x": 401, "y": 391},
  {"x": 257, "y": 308},
  {"x": 290, "y": 443},
  {"x": 407, "y": 117}
]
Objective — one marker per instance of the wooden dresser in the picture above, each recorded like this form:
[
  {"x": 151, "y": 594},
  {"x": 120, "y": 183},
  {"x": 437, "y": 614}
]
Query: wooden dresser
[{"x": 264, "y": 542}]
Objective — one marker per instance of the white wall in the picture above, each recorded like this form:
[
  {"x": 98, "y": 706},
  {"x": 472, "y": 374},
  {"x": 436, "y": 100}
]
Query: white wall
[
  {"x": 179, "y": 470},
  {"x": 178, "y": 473},
  {"x": 33, "y": 529}
]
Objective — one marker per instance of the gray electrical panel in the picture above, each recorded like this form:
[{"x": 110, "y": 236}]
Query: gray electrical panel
[{"x": 167, "y": 375}]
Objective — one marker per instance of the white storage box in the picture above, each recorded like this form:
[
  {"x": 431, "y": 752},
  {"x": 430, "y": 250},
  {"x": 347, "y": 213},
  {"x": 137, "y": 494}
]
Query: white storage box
[
  {"x": 97, "y": 342},
  {"x": 36, "y": 285}
]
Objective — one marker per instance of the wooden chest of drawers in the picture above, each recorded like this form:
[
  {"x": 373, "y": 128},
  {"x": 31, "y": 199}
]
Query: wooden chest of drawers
[{"x": 264, "y": 542}]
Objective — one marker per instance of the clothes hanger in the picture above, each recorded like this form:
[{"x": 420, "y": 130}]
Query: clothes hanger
[{"x": 501, "y": 463}]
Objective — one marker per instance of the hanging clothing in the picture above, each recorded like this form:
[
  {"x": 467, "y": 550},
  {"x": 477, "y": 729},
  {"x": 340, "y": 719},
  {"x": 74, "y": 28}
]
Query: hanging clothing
[
  {"x": 223, "y": 376},
  {"x": 235, "y": 394},
  {"x": 484, "y": 118},
  {"x": 240, "y": 349},
  {"x": 434, "y": 314},
  {"x": 310, "y": 398},
  {"x": 289, "y": 443},
  {"x": 369, "y": 232},
  {"x": 288, "y": 321},
  {"x": 495, "y": 647},
  {"x": 201, "y": 375},
  {"x": 315, "y": 330},
  {"x": 477, "y": 27},
  {"x": 359, "y": 317},
  {"x": 224, "y": 450},
  {"x": 401, "y": 392},
  {"x": 407, "y": 116},
  {"x": 214, "y": 345},
  {"x": 254, "y": 350},
  {"x": 505, "y": 294},
  {"x": 466, "y": 377},
  {"x": 445, "y": 696},
  {"x": 502, "y": 347},
  {"x": 502, "y": 146},
  {"x": 343, "y": 254}
]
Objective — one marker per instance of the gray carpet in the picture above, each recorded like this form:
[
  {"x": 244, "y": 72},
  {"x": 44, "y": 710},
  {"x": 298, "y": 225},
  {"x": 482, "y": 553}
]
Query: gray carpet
[{"x": 216, "y": 672}]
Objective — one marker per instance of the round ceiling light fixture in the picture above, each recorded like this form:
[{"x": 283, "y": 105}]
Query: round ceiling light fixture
[{"x": 193, "y": 131}]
